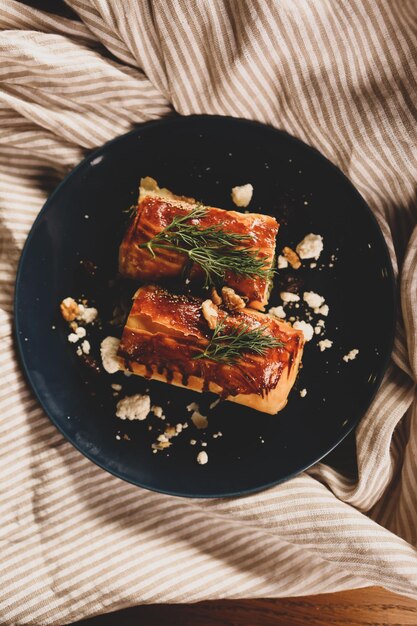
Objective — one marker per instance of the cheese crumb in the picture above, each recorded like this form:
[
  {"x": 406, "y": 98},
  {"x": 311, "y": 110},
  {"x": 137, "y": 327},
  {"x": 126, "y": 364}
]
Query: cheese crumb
[
  {"x": 277, "y": 311},
  {"x": 108, "y": 351},
  {"x": 324, "y": 344},
  {"x": 318, "y": 329},
  {"x": 287, "y": 296},
  {"x": 86, "y": 314},
  {"x": 350, "y": 356},
  {"x": 73, "y": 338},
  {"x": 79, "y": 351},
  {"x": 306, "y": 328},
  {"x": 310, "y": 247},
  {"x": 193, "y": 442},
  {"x": 193, "y": 406},
  {"x": 303, "y": 393},
  {"x": 116, "y": 387},
  {"x": 323, "y": 310},
  {"x": 80, "y": 332},
  {"x": 134, "y": 407},
  {"x": 199, "y": 421},
  {"x": 86, "y": 346},
  {"x": 158, "y": 412},
  {"x": 282, "y": 262},
  {"x": 202, "y": 457},
  {"x": 313, "y": 300},
  {"x": 242, "y": 195}
]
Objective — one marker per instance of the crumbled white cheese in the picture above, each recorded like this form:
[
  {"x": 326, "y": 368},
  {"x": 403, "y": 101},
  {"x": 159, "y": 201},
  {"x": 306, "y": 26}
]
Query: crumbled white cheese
[
  {"x": 313, "y": 265},
  {"x": 108, "y": 351},
  {"x": 80, "y": 332},
  {"x": 79, "y": 351},
  {"x": 158, "y": 412},
  {"x": 350, "y": 356},
  {"x": 179, "y": 427},
  {"x": 86, "y": 346},
  {"x": 287, "y": 296},
  {"x": 193, "y": 442},
  {"x": 318, "y": 330},
  {"x": 73, "y": 338},
  {"x": 323, "y": 310},
  {"x": 193, "y": 406},
  {"x": 303, "y": 393},
  {"x": 199, "y": 421},
  {"x": 116, "y": 387},
  {"x": 306, "y": 328},
  {"x": 314, "y": 301},
  {"x": 321, "y": 323},
  {"x": 134, "y": 407},
  {"x": 324, "y": 344},
  {"x": 202, "y": 457},
  {"x": 216, "y": 435},
  {"x": 277, "y": 311},
  {"x": 282, "y": 262},
  {"x": 310, "y": 247},
  {"x": 242, "y": 195},
  {"x": 86, "y": 314}
]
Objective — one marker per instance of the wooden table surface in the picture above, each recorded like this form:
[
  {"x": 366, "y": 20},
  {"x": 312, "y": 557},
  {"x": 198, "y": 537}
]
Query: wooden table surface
[{"x": 372, "y": 606}]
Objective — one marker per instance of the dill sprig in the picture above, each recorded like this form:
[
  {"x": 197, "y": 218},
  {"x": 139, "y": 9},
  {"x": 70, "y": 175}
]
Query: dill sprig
[
  {"x": 228, "y": 346},
  {"x": 215, "y": 250}
]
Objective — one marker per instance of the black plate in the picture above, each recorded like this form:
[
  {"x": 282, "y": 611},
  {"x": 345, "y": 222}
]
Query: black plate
[{"x": 205, "y": 156}]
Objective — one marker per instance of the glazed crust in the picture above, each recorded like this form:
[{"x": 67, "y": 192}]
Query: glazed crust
[
  {"x": 157, "y": 208},
  {"x": 164, "y": 332}
]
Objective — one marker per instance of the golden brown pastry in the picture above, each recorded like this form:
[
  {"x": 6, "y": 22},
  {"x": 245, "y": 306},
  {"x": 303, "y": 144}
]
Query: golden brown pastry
[
  {"x": 158, "y": 207},
  {"x": 164, "y": 334}
]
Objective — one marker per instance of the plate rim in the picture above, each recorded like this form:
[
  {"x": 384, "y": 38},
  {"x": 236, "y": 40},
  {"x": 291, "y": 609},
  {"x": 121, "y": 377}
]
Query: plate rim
[{"x": 91, "y": 156}]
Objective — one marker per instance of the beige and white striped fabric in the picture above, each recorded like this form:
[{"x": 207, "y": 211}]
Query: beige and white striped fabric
[{"x": 339, "y": 74}]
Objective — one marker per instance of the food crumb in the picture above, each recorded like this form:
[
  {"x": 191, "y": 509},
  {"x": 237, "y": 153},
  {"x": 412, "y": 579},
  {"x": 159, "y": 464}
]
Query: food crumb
[
  {"x": 310, "y": 247},
  {"x": 303, "y": 393},
  {"x": 116, "y": 387},
  {"x": 313, "y": 300},
  {"x": 313, "y": 265},
  {"x": 134, "y": 407},
  {"x": 324, "y": 344},
  {"x": 108, "y": 351},
  {"x": 80, "y": 332},
  {"x": 215, "y": 403},
  {"x": 86, "y": 347},
  {"x": 193, "y": 406},
  {"x": 287, "y": 296},
  {"x": 350, "y": 356},
  {"x": 199, "y": 420},
  {"x": 242, "y": 195},
  {"x": 202, "y": 457},
  {"x": 306, "y": 328},
  {"x": 193, "y": 442},
  {"x": 118, "y": 437},
  {"x": 282, "y": 262},
  {"x": 204, "y": 444},
  {"x": 277, "y": 311},
  {"x": 79, "y": 351},
  {"x": 323, "y": 310},
  {"x": 158, "y": 412}
]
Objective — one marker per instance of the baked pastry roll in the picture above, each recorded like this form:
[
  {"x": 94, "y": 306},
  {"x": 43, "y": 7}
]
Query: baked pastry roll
[
  {"x": 166, "y": 335},
  {"x": 156, "y": 210}
]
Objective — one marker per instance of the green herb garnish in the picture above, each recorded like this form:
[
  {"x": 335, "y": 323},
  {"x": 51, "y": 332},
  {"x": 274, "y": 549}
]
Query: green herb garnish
[
  {"x": 212, "y": 248},
  {"x": 228, "y": 347}
]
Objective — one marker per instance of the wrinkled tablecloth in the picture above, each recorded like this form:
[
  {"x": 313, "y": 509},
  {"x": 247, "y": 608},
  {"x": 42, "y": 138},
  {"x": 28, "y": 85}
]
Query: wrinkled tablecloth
[{"x": 339, "y": 74}]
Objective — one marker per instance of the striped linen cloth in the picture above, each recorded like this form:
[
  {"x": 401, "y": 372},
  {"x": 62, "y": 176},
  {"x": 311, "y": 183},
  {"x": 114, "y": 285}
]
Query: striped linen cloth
[{"x": 340, "y": 75}]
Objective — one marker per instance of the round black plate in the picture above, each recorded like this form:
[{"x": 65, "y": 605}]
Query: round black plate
[{"x": 205, "y": 156}]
